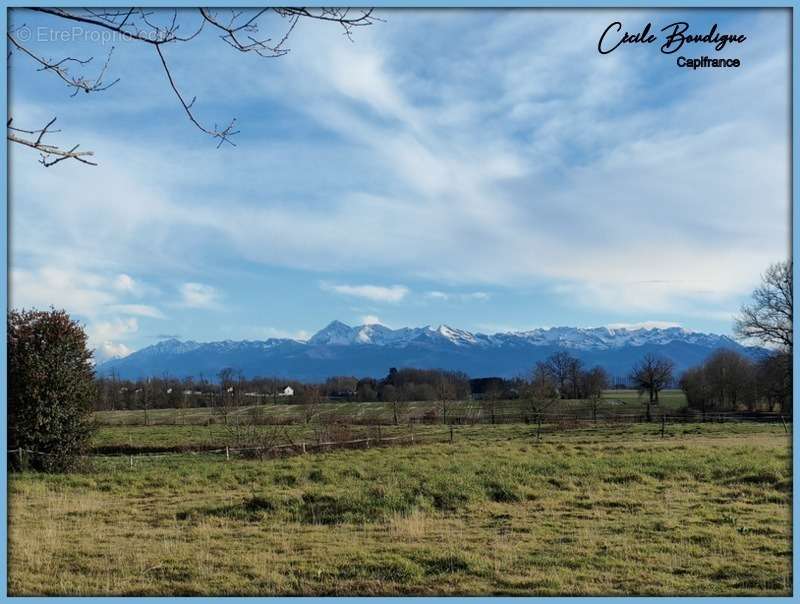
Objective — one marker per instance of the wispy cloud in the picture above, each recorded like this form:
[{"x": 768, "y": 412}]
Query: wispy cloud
[
  {"x": 106, "y": 336},
  {"x": 375, "y": 293},
  {"x": 276, "y": 332},
  {"x": 101, "y": 301},
  {"x": 110, "y": 350},
  {"x": 458, "y": 296},
  {"x": 199, "y": 295},
  {"x": 124, "y": 283},
  {"x": 141, "y": 310},
  {"x": 553, "y": 168}
]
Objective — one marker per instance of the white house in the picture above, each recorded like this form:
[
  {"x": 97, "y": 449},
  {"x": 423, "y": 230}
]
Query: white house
[{"x": 288, "y": 391}]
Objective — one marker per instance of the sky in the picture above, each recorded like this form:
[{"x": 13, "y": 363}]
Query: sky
[{"x": 484, "y": 169}]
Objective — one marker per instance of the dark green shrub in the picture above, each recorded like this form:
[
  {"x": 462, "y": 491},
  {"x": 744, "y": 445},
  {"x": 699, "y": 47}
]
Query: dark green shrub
[{"x": 50, "y": 390}]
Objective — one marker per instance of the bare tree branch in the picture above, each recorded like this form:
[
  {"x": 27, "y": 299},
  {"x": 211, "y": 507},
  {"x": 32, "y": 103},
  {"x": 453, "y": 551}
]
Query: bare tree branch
[
  {"x": 239, "y": 29},
  {"x": 223, "y": 135},
  {"x": 59, "y": 68},
  {"x": 50, "y": 154},
  {"x": 768, "y": 318}
]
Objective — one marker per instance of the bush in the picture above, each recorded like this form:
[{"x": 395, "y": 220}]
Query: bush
[{"x": 50, "y": 389}]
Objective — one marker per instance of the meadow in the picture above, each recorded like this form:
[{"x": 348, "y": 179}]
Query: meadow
[
  {"x": 599, "y": 510},
  {"x": 614, "y": 402},
  {"x": 124, "y": 431}
]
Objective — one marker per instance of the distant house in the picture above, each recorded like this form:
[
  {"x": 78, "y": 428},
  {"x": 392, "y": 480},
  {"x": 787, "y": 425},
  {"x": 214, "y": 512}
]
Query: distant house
[{"x": 288, "y": 391}]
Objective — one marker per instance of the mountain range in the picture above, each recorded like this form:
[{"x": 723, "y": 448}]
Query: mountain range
[{"x": 370, "y": 350}]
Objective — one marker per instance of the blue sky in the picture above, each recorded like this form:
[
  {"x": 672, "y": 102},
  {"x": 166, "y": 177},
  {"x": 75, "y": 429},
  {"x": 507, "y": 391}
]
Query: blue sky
[{"x": 484, "y": 169}]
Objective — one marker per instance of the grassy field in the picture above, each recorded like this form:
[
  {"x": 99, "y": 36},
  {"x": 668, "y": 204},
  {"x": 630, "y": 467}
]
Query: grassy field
[
  {"x": 120, "y": 430},
  {"x": 616, "y": 402},
  {"x": 110, "y": 439},
  {"x": 612, "y": 510}
]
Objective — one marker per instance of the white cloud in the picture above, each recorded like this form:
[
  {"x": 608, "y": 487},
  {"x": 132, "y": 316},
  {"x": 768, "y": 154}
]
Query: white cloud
[
  {"x": 141, "y": 310},
  {"x": 476, "y": 296},
  {"x": 110, "y": 350},
  {"x": 124, "y": 283},
  {"x": 105, "y": 336},
  {"x": 370, "y": 320},
  {"x": 275, "y": 332},
  {"x": 96, "y": 299},
  {"x": 199, "y": 295},
  {"x": 101, "y": 331},
  {"x": 462, "y": 297},
  {"x": 376, "y": 293},
  {"x": 560, "y": 174},
  {"x": 76, "y": 291}
]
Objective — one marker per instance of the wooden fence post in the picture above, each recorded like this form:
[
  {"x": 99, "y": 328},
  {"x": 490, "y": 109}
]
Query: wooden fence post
[
  {"x": 227, "y": 453},
  {"x": 412, "y": 431},
  {"x": 451, "y": 435},
  {"x": 131, "y": 462},
  {"x": 783, "y": 421},
  {"x": 304, "y": 447}
]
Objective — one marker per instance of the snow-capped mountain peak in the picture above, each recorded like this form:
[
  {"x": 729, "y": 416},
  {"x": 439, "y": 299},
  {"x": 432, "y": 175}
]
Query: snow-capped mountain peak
[
  {"x": 335, "y": 333},
  {"x": 579, "y": 338},
  {"x": 341, "y": 349}
]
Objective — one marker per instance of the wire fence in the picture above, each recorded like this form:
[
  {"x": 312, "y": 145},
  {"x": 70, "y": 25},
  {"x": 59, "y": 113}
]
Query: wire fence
[
  {"x": 456, "y": 412},
  {"x": 541, "y": 424},
  {"x": 19, "y": 454}
]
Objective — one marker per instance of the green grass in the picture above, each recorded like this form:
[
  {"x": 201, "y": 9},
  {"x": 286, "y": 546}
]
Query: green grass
[
  {"x": 155, "y": 438},
  {"x": 612, "y": 510},
  {"x": 616, "y": 402}
]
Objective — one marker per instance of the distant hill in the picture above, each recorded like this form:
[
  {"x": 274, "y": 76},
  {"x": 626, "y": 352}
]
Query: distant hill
[{"x": 370, "y": 350}]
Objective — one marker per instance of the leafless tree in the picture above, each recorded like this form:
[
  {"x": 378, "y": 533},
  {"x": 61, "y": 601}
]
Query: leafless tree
[
  {"x": 240, "y": 29},
  {"x": 594, "y": 382},
  {"x": 768, "y": 318},
  {"x": 399, "y": 408},
  {"x": 445, "y": 394},
  {"x": 490, "y": 401},
  {"x": 652, "y": 374},
  {"x": 565, "y": 371},
  {"x": 312, "y": 406},
  {"x": 254, "y": 435},
  {"x": 542, "y": 392},
  {"x": 229, "y": 379}
]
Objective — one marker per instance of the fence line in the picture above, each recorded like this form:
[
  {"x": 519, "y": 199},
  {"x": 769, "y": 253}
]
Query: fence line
[
  {"x": 544, "y": 424},
  {"x": 261, "y": 450},
  {"x": 479, "y": 417}
]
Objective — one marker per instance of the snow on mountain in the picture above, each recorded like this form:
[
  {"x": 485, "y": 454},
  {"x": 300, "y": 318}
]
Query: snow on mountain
[
  {"x": 369, "y": 350},
  {"x": 171, "y": 346},
  {"x": 335, "y": 333},
  {"x": 578, "y": 338}
]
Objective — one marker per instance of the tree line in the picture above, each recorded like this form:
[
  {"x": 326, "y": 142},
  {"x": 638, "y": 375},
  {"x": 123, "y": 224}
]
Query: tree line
[
  {"x": 231, "y": 388},
  {"x": 729, "y": 381}
]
